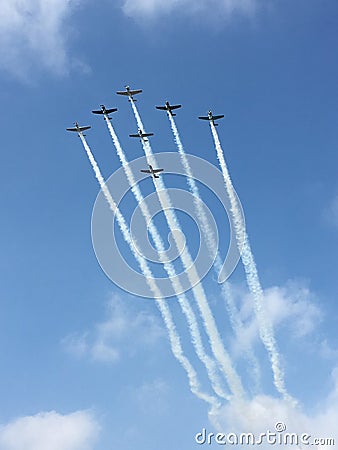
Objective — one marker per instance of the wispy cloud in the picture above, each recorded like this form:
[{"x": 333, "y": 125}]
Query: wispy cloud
[
  {"x": 330, "y": 213},
  {"x": 35, "y": 32},
  {"x": 50, "y": 430},
  {"x": 153, "y": 396},
  {"x": 328, "y": 351},
  {"x": 292, "y": 306},
  {"x": 154, "y": 8},
  {"x": 122, "y": 332}
]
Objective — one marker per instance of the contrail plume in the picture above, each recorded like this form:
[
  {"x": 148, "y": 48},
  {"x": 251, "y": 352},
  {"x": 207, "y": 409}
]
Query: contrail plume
[
  {"x": 217, "y": 347},
  {"x": 169, "y": 268},
  {"x": 265, "y": 327},
  {"x": 175, "y": 341},
  {"x": 210, "y": 238}
]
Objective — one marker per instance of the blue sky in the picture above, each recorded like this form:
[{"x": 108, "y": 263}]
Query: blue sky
[{"x": 80, "y": 358}]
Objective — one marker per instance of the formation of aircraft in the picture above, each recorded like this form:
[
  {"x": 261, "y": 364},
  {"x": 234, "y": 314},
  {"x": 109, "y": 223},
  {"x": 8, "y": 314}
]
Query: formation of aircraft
[
  {"x": 105, "y": 111},
  {"x": 212, "y": 118},
  {"x": 152, "y": 171},
  {"x": 141, "y": 134},
  {"x": 78, "y": 129},
  {"x": 169, "y": 108},
  {"x": 129, "y": 93}
]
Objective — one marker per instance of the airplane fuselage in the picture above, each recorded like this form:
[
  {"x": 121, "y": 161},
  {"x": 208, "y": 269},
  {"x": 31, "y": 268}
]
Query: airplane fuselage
[{"x": 152, "y": 172}]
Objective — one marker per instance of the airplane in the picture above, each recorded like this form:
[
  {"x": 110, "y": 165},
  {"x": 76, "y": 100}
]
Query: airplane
[
  {"x": 129, "y": 93},
  {"x": 212, "y": 118},
  {"x": 168, "y": 107},
  {"x": 105, "y": 111},
  {"x": 141, "y": 134},
  {"x": 152, "y": 171},
  {"x": 78, "y": 129}
]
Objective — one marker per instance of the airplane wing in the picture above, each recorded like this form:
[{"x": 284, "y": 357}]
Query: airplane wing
[
  {"x": 218, "y": 117},
  {"x": 79, "y": 129},
  {"x": 141, "y": 135},
  {"x": 157, "y": 170},
  {"x": 137, "y": 91},
  {"x": 107, "y": 111},
  {"x": 165, "y": 108},
  {"x": 204, "y": 118},
  {"x": 145, "y": 171}
]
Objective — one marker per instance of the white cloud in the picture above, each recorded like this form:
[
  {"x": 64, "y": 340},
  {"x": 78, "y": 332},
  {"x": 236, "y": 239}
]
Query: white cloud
[
  {"x": 152, "y": 8},
  {"x": 34, "y": 31},
  {"x": 50, "y": 430},
  {"x": 292, "y": 306},
  {"x": 122, "y": 332},
  {"x": 295, "y": 306},
  {"x": 262, "y": 413}
]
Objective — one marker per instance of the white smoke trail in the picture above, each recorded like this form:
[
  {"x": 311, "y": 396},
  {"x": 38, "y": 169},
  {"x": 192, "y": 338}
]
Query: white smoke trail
[
  {"x": 169, "y": 268},
  {"x": 266, "y": 331},
  {"x": 217, "y": 347},
  {"x": 175, "y": 342},
  {"x": 209, "y": 236}
]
